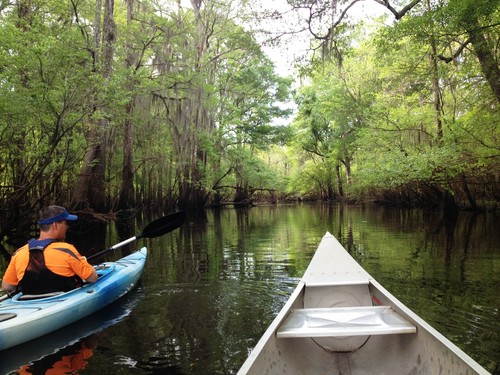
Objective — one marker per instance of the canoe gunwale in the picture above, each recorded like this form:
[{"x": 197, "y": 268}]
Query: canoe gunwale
[
  {"x": 423, "y": 326},
  {"x": 271, "y": 332}
]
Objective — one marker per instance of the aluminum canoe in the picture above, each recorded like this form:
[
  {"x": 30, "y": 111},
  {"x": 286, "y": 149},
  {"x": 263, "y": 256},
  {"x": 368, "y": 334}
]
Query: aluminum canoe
[
  {"x": 340, "y": 320},
  {"x": 22, "y": 320}
]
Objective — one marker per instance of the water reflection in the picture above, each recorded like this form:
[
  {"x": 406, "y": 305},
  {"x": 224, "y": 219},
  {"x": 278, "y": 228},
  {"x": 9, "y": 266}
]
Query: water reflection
[
  {"x": 212, "y": 287},
  {"x": 68, "y": 360}
]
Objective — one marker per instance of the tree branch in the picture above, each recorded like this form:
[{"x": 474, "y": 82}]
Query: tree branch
[
  {"x": 456, "y": 54},
  {"x": 402, "y": 12}
]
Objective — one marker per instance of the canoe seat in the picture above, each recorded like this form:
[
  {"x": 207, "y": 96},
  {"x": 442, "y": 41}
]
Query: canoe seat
[
  {"x": 29, "y": 297},
  {"x": 344, "y": 322}
]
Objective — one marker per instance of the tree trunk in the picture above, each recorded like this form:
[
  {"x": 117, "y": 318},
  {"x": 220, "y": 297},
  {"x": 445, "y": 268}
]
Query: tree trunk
[
  {"x": 435, "y": 85},
  {"x": 339, "y": 181},
  {"x": 241, "y": 194},
  {"x": 127, "y": 191},
  {"x": 195, "y": 121},
  {"x": 468, "y": 193},
  {"x": 448, "y": 202},
  {"x": 91, "y": 188},
  {"x": 347, "y": 164},
  {"x": 489, "y": 65},
  {"x": 24, "y": 15}
]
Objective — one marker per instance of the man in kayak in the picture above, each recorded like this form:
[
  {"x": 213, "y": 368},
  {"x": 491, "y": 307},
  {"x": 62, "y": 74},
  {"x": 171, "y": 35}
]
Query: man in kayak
[{"x": 48, "y": 264}]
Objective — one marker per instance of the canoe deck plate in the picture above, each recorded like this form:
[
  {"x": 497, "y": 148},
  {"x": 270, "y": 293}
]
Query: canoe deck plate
[{"x": 344, "y": 322}]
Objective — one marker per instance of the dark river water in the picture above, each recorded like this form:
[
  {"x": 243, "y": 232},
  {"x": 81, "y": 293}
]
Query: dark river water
[{"x": 212, "y": 287}]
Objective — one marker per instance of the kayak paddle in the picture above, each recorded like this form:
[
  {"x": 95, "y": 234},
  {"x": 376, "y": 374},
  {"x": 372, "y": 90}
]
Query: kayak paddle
[
  {"x": 156, "y": 228},
  {"x": 7, "y": 296}
]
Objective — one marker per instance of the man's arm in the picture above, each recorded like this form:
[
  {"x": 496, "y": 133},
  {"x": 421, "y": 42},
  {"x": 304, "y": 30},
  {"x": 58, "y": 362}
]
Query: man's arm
[
  {"x": 92, "y": 278},
  {"x": 8, "y": 287}
]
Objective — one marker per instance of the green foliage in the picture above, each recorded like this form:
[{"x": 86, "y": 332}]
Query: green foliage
[
  {"x": 254, "y": 100},
  {"x": 375, "y": 107},
  {"x": 201, "y": 93},
  {"x": 44, "y": 81},
  {"x": 405, "y": 105},
  {"x": 333, "y": 111}
]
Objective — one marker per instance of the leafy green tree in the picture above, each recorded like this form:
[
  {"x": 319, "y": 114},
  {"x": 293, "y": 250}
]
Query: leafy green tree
[
  {"x": 43, "y": 101},
  {"x": 475, "y": 23},
  {"x": 105, "y": 103},
  {"x": 333, "y": 110},
  {"x": 418, "y": 133},
  {"x": 413, "y": 147},
  {"x": 252, "y": 99}
]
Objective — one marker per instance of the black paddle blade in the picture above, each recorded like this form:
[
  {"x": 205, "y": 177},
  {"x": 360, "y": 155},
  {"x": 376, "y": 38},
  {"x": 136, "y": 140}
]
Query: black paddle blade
[{"x": 163, "y": 225}]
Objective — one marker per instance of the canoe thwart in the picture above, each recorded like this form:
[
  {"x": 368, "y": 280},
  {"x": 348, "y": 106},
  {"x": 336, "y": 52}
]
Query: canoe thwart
[{"x": 344, "y": 322}]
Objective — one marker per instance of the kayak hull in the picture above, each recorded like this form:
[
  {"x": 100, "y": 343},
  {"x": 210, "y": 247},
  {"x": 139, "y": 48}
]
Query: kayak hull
[
  {"x": 339, "y": 320},
  {"x": 38, "y": 317}
]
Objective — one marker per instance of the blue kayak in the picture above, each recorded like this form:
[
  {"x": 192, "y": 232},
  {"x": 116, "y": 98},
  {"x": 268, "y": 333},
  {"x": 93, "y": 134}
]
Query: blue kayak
[{"x": 24, "y": 318}]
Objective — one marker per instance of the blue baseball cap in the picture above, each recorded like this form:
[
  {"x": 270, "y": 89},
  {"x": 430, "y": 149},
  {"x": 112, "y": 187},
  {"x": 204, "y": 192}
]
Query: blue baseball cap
[{"x": 65, "y": 215}]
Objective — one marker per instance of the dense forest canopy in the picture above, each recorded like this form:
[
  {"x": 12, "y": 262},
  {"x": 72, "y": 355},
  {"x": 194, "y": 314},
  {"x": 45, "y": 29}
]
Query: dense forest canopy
[{"x": 116, "y": 105}]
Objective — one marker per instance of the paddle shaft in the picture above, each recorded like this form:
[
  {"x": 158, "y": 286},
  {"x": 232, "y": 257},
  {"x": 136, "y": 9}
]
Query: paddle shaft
[
  {"x": 7, "y": 296},
  {"x": 156, "y": 228},
  {"x": 112, "y": 248}
]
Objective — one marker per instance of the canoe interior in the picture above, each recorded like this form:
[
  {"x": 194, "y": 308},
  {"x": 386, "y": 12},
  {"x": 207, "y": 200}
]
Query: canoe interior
[{"x": 335, "y": 280}]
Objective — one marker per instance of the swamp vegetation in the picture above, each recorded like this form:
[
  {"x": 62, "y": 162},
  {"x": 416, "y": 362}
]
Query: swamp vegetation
[{"x": 108, "y": 106}]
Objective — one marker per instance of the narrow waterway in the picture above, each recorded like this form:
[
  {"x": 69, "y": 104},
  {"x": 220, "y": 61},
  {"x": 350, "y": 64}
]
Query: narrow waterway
[{"x": 212, "y": 287}]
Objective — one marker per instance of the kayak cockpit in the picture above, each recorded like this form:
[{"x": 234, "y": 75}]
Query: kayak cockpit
[
  {"x": 7, "y": 316},
  {"x": 103, "y": 270},
  {"x": 30, "y": 297}
]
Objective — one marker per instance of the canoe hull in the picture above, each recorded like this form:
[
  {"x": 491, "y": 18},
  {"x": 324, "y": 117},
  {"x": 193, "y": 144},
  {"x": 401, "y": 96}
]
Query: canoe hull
[
  {"x": 334, "y": 280},
  {"x": 36, "y": 318}
]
